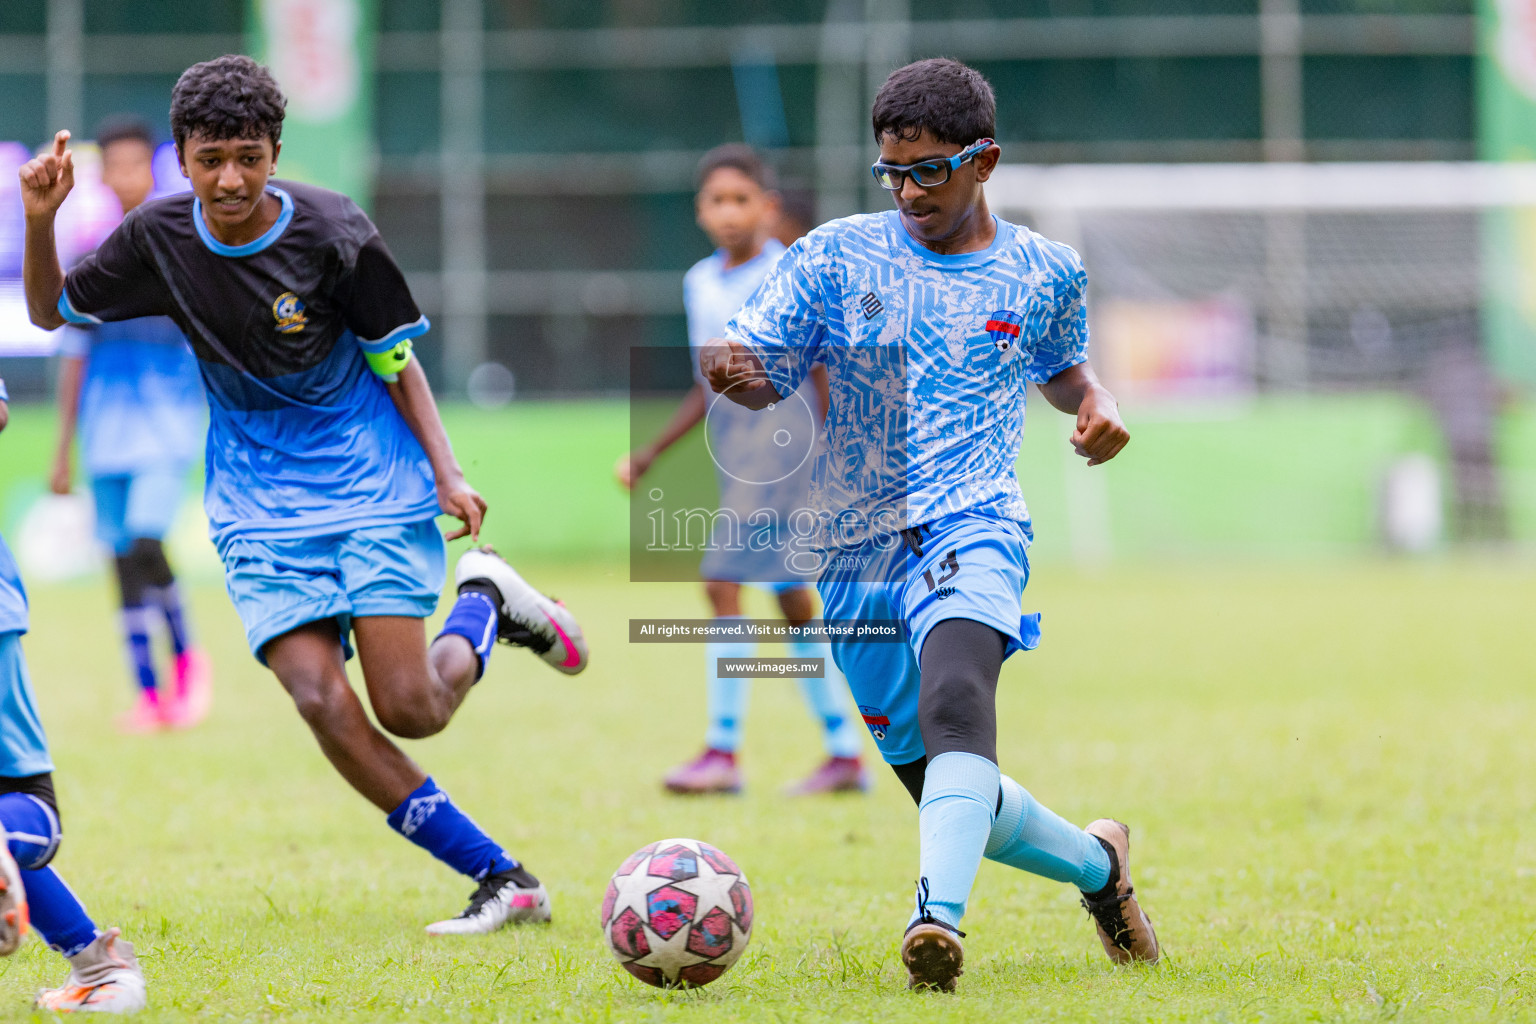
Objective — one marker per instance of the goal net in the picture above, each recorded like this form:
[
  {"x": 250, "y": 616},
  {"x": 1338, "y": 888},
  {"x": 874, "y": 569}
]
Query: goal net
[{"x": 1212, "y": 279}]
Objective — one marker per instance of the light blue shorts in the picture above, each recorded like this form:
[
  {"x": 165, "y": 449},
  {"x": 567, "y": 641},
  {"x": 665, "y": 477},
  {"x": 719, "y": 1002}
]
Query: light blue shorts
[
  {"x": 23, "y": 746},
  {"x": 762, "y": 558},
  {"x": 139, "y": 504},
  {"x": 279, "y": 585},
  {"x": 971, "y": 566}
]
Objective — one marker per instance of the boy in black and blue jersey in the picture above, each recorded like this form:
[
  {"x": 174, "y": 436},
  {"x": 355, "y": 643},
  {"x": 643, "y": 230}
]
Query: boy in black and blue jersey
[{"x": 327, "y": 461}]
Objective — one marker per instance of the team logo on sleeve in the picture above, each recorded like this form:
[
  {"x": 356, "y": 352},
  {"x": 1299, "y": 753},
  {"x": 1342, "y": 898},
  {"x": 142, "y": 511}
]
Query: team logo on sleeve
[
  {"x": 288, "y": 311},
  {"x": 876, "y": 720},
  {"x": 1003, "y": 327}
]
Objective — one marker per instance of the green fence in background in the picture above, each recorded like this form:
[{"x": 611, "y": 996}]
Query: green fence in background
[{"x": 1280, "y": 478}]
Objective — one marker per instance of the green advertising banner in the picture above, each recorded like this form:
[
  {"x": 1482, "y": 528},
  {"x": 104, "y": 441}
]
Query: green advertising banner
[
  {"x": 321, "y": 52},
  {"x": 1506, "y": 96}
]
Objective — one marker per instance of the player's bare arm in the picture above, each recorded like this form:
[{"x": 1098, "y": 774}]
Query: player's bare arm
[
  {"x": 690, "y": 413},
  {"x": 5, "y": 414},
  {"x": 45, "y": 181},
  {"x": 1100, "y": 433},
  {"x": 733, "y": 371},
  {"x": 412, "y": 395}
]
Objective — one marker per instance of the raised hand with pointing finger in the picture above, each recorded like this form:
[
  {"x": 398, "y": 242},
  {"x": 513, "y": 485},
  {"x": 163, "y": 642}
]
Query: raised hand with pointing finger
[{"x": 47, "y": 179}]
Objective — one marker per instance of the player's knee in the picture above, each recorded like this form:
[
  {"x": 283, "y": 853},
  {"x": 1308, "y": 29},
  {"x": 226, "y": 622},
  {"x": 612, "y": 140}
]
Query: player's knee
[
  {"x": 724, "y": 596},
  {"x": 406, "y": 701},
  {"x": 32, "y": 829},
  {"x": 954, "y": 704},
  {"x": 320, "y": 699},
  {"x": 411, "y": 721}
]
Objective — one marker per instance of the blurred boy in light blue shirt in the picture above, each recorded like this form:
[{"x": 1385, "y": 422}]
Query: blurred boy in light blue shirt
[
  {"x": 761, "y": 480},
  {"x": 134, "y": 389}
]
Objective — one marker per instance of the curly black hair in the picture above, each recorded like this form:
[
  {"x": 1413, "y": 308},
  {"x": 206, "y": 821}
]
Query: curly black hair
[
  {"x": 954, "y": 102},
  {"x": 230, "y": 97}
]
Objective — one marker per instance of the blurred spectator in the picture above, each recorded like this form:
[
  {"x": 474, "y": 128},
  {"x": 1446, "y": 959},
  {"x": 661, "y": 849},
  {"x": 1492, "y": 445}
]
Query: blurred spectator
[{"x": 1466, "y": 397}]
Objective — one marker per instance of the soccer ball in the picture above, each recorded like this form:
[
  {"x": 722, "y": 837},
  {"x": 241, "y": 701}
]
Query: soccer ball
[{"x": 677, "y": 913}]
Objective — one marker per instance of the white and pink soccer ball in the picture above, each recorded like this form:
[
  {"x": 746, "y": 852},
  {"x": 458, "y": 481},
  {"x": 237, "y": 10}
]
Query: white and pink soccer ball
[{"x": 678, "y": 913}]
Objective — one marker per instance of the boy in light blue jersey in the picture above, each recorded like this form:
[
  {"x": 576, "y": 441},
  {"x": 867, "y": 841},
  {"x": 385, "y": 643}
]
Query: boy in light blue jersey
[
  {"x": 104, "y": 974},
  {"x": 931, "y": 320},
  {"x": 737, "y": 208},
  {"x": 327, "y": 461},
  {"x": 134, "y": 389}
]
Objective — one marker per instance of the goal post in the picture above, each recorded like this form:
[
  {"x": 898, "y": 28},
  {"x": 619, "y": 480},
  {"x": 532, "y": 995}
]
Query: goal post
[
  {"x": 1208, "y": 283},
  {"x": 1344, "y": 274}
]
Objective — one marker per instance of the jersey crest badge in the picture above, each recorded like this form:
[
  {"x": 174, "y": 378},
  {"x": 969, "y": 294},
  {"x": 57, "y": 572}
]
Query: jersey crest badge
[
  {"x": 876, "y": 720},
  {"x": 288, "y": 311},
  {"x": 1003, "y": 327}
]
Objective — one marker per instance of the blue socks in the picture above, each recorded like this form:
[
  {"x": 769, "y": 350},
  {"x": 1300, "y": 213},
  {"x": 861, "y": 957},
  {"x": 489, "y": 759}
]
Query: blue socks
[
  {"x": 431, "y": 821},
  {"x": 141, "y": 658},
  {"x": 827, "y": 699},
  {"x": 57, "y": 913},
  {"x": 168, "y": 598},
  {"x": 953, "y": 823},
  {"x": 727, "y": 697},
  {"x": 473, "y": 617},
  {"x": 1029, "y": 836},
  {"x": 32, "y": 835}
]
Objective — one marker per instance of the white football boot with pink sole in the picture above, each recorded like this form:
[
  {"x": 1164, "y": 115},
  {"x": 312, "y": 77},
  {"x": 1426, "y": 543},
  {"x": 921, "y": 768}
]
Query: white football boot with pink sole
[
  {"x": 528, "y": 618},
  {"x": 498, "y": 902}
]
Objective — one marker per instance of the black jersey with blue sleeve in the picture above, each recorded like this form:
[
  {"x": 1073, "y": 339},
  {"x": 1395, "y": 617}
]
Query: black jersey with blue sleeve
[{"x": 303, "y": 438}]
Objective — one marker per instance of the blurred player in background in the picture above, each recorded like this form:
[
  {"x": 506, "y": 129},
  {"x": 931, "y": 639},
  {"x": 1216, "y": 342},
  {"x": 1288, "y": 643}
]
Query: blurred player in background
[
  {"x": 135, "y": 389},
  {"x": 961, "y": 310},
  {"x": 327, "y": 461},
  {"x": 738, "y": 209},
  {"x": 104, "y": 974},
  {"x": 797, "y": 216}
]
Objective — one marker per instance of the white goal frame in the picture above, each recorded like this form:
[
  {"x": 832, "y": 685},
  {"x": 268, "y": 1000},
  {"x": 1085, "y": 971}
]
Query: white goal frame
[{"x": 1054, "y": 199}]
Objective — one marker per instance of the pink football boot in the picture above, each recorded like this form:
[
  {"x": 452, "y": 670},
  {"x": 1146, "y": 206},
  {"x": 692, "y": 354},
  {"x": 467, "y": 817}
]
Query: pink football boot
[
  {"x": 713, "y": 771},
  {"x": 194, "y": 690},
  {"x": 147, "y": 716}
]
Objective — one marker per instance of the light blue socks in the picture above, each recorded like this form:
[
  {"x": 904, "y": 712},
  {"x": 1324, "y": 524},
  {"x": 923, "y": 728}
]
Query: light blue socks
[
  {"x": 1029, "y": 836},
  {"x": 954, "y": 821},
  {"x": 727, "y": 697},
  {"x": 827, "y": 699},
  {"x": 956, "y": 825}
]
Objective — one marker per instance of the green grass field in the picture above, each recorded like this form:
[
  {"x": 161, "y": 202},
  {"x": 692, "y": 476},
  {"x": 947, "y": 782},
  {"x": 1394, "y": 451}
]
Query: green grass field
[
  {"x": 1326, "y": 763},
  {"x": 1327, "y": 771}
]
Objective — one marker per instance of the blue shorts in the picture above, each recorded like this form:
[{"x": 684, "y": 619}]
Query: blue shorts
[
  {"x": 139, "y": 504},
  {"x": 763, "y": 558},
  {"x": 23, "y": 746},
  {"x": 279, "y": 585},
  {"x": 971, "y": 566}
]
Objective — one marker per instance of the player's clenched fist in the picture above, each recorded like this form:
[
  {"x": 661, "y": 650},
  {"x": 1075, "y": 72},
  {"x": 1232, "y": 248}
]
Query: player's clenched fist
[
  {"x": 47, "y": 179},
  {"x": 732, "y": 370},
  {"x": 1100, "y": 434}
]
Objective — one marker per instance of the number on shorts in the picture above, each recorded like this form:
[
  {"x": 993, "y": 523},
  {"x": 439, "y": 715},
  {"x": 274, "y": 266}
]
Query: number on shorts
[{"x": 951, "y": 567}]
